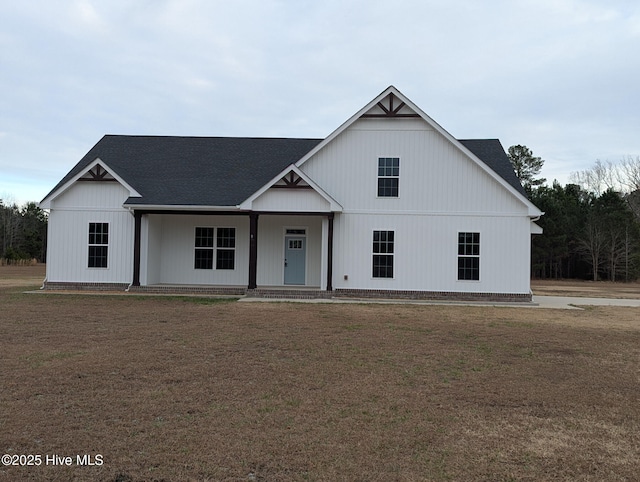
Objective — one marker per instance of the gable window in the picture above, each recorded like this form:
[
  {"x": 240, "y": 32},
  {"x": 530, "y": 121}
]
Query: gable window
[
  {"x": 383, "y": 254},
  {"x": 98, "y": 245},
  {"x": 388, "y": 176},
  {"x": 215, "y": 244},
  {"x": 469, "y": 256}
]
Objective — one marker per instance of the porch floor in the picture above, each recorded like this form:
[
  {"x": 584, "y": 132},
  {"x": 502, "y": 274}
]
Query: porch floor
[{"x": 287, "y": 291}]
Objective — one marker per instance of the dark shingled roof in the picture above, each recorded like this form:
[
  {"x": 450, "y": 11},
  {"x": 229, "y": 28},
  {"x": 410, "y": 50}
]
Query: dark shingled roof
[
  {"x": 222, "y": 171},
  {"x": 491, "y": 152},
  {"x": 194, "y": 171}
]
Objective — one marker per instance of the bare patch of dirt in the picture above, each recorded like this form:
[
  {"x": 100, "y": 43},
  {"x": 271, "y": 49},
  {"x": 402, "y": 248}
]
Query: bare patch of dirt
[{"x": 200, "y": 389}]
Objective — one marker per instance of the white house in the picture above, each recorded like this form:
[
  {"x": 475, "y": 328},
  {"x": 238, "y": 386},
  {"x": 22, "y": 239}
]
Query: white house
[{"x": 389, "y": 204}]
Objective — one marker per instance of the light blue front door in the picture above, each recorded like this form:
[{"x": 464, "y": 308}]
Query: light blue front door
[{"x": 295, "y": 255}]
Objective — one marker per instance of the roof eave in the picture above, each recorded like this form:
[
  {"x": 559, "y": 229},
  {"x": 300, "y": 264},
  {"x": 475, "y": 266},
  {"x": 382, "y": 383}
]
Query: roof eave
[
  {"x": 178, "y": 207},
  {"x": 46, "y": 202},
  {"x": 533, "y": 211},
  {"x": 333, "y": 204}
]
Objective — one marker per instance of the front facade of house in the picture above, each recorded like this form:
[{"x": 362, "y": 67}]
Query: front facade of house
[{"x": 389, "y": 204}]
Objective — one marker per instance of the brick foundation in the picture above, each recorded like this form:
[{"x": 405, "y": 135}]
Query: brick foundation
[
  {"x": 302, "y": 294},
  {"x": 60, "y": 285},
  {"x": 189, "y": 290},
  {"x": 274, "y": 293},
  {"x": 433, "y": 295}
]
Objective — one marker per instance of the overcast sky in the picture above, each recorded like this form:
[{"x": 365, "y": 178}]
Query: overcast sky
[{"x": 559, "y": 76}]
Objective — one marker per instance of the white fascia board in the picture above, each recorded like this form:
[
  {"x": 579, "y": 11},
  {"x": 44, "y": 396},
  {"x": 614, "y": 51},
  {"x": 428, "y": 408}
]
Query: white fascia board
[
  {"x": 535, "y": 229},
  {"x": 179, "y": 207},
  {"x": 46, "y": 202},
  {"x": 349, "y": 122},
  {"x": 334, "y": 205},
  {"x": 533, "y": 210}
]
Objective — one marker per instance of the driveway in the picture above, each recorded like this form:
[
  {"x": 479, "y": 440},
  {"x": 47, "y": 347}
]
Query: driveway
[
  {"x": 557, "y": 302},
  {"x": 572, "y": 302}
]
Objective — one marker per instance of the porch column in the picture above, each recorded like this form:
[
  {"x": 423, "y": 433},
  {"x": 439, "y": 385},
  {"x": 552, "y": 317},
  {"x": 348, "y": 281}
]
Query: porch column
[
  {"x": 330, "y": 252},
  {"x": 253, "y": 251},
  {"x": 137, "y": 216}
]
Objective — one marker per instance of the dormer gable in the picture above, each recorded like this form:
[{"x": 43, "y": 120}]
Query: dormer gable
[
  {"x": 390, "y": 106},
  {"x": 97, "y": 174},
  {"x": 96, "y": 171},
  {"x": 291, "y": 190},
  {"x": 291, "y": 180}
]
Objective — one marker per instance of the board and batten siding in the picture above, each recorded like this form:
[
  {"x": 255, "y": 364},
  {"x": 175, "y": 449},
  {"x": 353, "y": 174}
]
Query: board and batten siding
[
  {"x": 435, "y": 176},
  {"x": 68, "y": 234},
  {"x": 426, "y": 252},
  {"x": 170, "y": 249},
  {"x": 271, "y": 233},
  {"x": 174, "y": 253},
  {"x": 301, "y": 200},
  {"x": 441, "y": 192},
  {"x": 150, "y": 249}
]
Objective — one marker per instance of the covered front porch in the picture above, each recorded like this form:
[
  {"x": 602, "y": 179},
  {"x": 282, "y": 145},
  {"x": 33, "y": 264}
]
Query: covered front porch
[
  {"x": 281, "y": 236},
  {"x": 232, "y": 252}
]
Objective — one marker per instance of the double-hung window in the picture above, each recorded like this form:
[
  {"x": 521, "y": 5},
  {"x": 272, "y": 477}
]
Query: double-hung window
[
  {"x": 204, "y": 248},
  {"x": 383, "y": 254},
  {"x": 469, "y": 256},
  {"x": 225, "y": 248},
  {"x": 98, "y": 245},
  {"x": 388, "y": 176},
  {"x": 217, "y": 244}
]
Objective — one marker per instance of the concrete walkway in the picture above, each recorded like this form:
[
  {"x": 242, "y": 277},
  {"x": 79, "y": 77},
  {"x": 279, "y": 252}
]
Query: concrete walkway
[
  {"x": 573, "y": 302},
  {"x": 553, "y": 302}
]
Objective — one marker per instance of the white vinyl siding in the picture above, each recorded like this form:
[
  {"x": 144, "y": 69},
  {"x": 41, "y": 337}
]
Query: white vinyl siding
[
  {"x": 443, "y": 193},
  {"x": 383, "y": 249},
  {"x": 468, "y": 256},
  {"x": 175, "y": 250},
  {"x": 67, "y": 239},
  {"x": 426, "y": 252},
  {"x": 98, "y": 255},
  {"x": 296, "y": 200},
  {"x": 271, "y": 256},
  {"x": 436, "y": 176},
  {"x": 388, "y": 176}
]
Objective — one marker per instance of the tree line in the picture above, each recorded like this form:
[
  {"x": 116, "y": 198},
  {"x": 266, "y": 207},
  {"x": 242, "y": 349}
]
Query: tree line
[
  {"x": 591, "y": 225},
  {"x": 23, "y": 232}
]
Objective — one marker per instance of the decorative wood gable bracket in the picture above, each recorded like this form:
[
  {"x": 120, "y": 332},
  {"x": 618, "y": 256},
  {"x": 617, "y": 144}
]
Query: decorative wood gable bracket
[
  {"x": 97, "y": 173},
  {"x": 291, "y": 181},
  {"x": 390, "y": 110}
]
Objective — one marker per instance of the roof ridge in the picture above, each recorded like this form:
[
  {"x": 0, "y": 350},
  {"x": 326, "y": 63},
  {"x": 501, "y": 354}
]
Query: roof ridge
[{"x": 155, "y": 136}]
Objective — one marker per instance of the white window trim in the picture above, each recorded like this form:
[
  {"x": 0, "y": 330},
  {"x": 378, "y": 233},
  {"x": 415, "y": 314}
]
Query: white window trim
[
  {"x": 387, "y": 177},
  {"x": 108, "y": 245},
  {"x": 393, "y": 255},
  {"x": 214, "y": 248},
  {"x": 479, "y": 256}
]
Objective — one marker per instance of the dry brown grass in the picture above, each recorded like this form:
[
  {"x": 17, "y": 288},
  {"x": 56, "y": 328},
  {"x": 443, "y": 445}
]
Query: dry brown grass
[
  {"x": 193, "y": 389},
  {"x": 589, "y": 289},
  {"x": 13, "y": 276}
]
